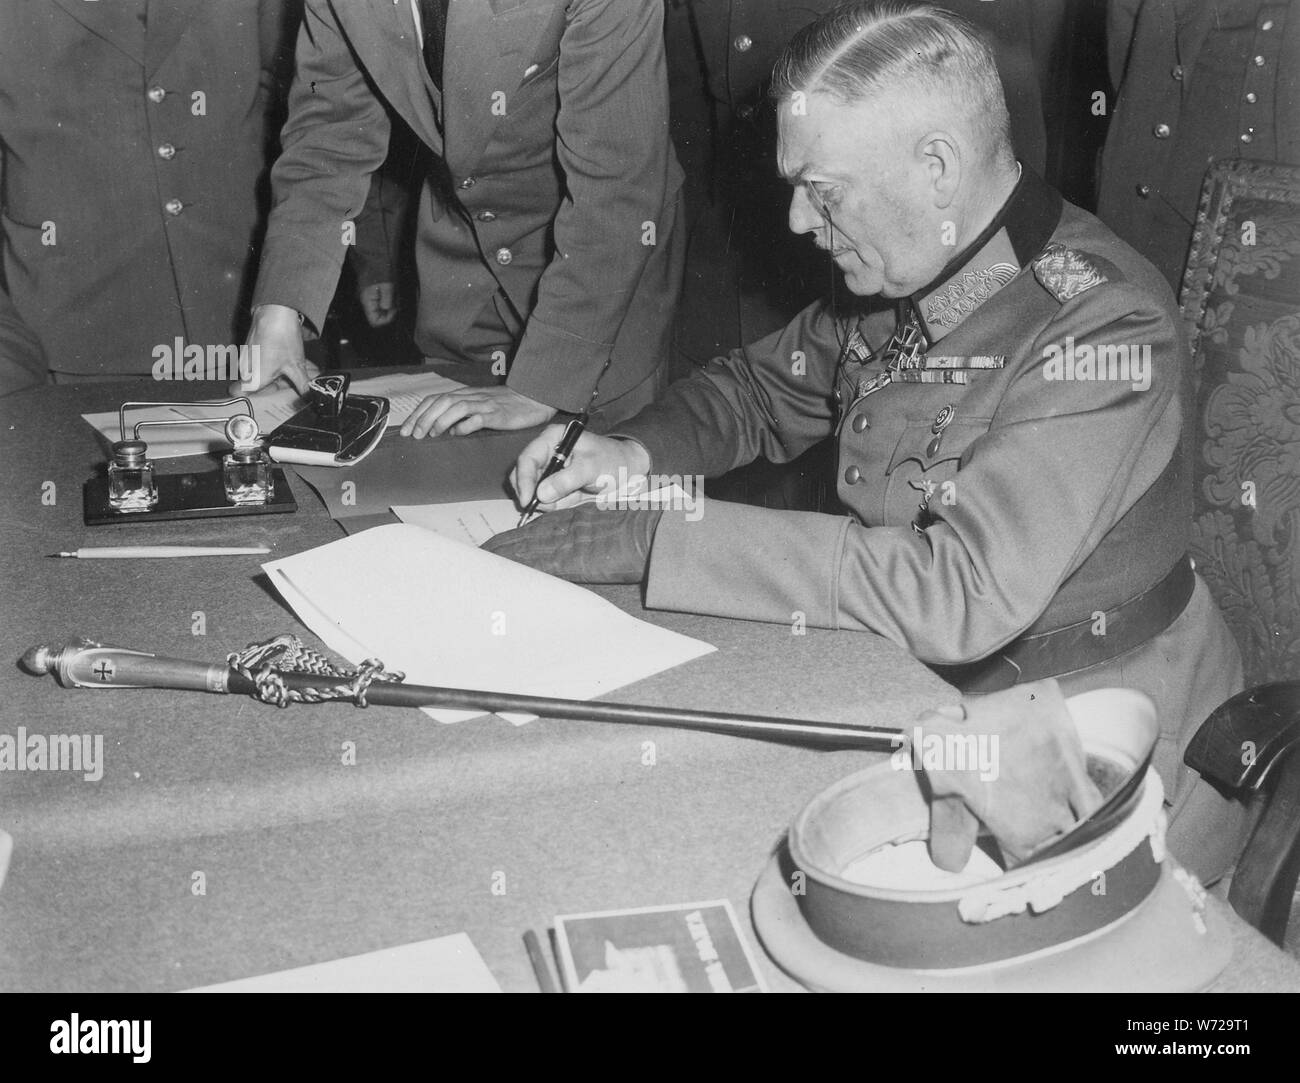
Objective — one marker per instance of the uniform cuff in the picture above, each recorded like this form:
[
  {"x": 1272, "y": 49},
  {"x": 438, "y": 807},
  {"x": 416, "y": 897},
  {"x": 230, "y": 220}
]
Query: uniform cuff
[
  {"x": 299, "y": 274},
  {"x": 656, "y": 441},
  {"x": 748, "y": 563},
  {"x": 557, "y": 368}
]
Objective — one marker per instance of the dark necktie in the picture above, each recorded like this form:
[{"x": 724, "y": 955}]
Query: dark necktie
[{"x": 433, "y": 16}]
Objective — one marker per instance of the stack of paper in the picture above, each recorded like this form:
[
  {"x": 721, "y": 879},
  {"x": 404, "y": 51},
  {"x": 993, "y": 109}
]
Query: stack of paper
[{"x": 451, "y": 615}]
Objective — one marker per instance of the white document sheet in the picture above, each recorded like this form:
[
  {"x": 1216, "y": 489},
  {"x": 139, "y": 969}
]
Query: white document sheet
[
  {"x": 449, "y": 964},
  {"x": 475, "y": 521},
  {"x": 404, "y": 390},
  {"x": 451, "y": 615},
  {"x": 470, "y": 521}
]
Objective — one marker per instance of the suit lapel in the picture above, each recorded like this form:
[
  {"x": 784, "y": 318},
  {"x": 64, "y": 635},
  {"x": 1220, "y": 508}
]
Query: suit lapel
[
  {"x": 116, "y": 23},
  {"x": 488, "y": 45},
  {"x": 386, "y": 40}
]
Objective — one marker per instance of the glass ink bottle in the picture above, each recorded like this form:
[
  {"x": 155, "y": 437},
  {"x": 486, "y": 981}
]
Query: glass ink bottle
[
  {"x": 246, "y": 468},
  {"x": 131, "y": 486}
]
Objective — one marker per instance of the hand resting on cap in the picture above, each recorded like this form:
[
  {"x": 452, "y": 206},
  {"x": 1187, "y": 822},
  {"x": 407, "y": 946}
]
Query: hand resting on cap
[{"x": 1032, "y": 786}]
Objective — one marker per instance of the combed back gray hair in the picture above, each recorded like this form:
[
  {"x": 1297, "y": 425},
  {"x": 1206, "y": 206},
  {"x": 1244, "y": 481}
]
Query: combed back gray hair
[{"x": 864, "y": 47}]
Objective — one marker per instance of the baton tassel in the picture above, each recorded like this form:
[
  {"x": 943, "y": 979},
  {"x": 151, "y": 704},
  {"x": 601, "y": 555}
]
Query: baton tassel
[{"x": 265, "y": 665}]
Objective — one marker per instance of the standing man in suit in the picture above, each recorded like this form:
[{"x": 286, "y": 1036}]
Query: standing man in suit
[
  {"x": 133, "y": 144},
  {"x": 1008, "y": 423},
  {"x": 546, "y": 236}
]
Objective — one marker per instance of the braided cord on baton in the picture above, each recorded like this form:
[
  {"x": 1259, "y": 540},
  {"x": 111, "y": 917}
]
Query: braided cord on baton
[{"x": 264, "y": 664}]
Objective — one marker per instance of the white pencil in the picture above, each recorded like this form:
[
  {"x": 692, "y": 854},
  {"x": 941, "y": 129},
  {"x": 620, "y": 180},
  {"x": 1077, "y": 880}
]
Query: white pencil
[{"x": 125, "y": 552}]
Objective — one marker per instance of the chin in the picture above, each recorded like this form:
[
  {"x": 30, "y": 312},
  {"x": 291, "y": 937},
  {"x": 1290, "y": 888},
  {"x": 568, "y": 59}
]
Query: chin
[{"x": 865, "y": 284}]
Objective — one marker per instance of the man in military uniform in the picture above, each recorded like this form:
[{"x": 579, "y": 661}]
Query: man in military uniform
[
  {"x": 133, "y": 148},
  {"x": 1197, "y": 83},
  {"x": 1008, "y": 416},
  {"x": 744, "y": 277}
]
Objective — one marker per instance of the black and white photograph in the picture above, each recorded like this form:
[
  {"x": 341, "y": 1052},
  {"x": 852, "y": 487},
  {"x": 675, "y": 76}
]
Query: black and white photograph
[{"x": 649, "y": 496}]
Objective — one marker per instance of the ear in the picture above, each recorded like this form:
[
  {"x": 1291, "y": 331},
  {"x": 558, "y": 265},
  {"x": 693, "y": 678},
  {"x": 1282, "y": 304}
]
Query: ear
[{"x": 938, "y": 153}]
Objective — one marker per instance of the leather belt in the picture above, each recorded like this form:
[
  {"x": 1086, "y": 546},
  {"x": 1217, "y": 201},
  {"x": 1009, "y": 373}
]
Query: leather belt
[{"x": 1077, "y": 646}]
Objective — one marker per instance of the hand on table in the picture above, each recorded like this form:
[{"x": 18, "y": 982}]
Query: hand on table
[
  {"x": 1036, "y": 782},
  {"x": 469, "y": 409},
  {"x": 586, "y": 544},
  {"x": 379, "y": 303},
  {"x": 277, "y": 333}
]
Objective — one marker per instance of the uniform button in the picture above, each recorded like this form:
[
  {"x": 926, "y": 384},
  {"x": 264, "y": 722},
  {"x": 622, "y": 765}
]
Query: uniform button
[
  {"x": 859, "y": 422},
  {"x": 745, "y": 112},
  {"x": 1252, "y": 97},
  {"x": 1177, "y": 72},
  {"x": 467, "y": 183},
  {"x": 1246, "y": 137},
  {"x": 1144, "y": 190},
  {"x": 166, "y": 152},
  {"x": 1267, "y": 24},
  {"x": 504, "y": 256},
  {"x": 173, "y": 207},
  {"x": 1259, "y": 61},
  {"x": 743, "y": 43},
  {"x": 852, "y": 475},
  {"x": 1161, "y": 131},
  {"x": 156, "y": 94},
  {"x": 486, "y": 216}
]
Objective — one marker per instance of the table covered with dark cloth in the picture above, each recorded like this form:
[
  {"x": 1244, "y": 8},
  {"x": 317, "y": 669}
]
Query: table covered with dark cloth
[{"x": 481, "y": 826}]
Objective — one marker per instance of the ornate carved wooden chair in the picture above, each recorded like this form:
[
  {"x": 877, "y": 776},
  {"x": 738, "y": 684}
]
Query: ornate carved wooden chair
[{"x": 1241, "y": 300}]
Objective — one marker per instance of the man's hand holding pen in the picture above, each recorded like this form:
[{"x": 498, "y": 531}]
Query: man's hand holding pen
[
  {"x": 573, "y": 430},
  {"x": 595, "y": 467}
]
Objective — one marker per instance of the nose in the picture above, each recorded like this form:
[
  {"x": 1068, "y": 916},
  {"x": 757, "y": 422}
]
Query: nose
[{"x": 803, "y": 216}]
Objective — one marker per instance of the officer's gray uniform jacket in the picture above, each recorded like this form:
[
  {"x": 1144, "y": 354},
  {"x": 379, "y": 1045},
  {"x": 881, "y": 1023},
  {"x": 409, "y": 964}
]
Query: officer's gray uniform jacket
[{"x": 1044, "y": 499}]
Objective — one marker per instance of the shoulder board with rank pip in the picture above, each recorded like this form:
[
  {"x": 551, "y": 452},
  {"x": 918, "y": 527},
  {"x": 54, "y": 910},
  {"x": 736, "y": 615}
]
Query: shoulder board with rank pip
[{"x": 1065, "y": 273}]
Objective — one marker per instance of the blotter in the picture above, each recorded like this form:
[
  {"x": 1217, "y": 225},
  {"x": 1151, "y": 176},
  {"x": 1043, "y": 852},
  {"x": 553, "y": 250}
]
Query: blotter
[{"x": 448, "y": 614}]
